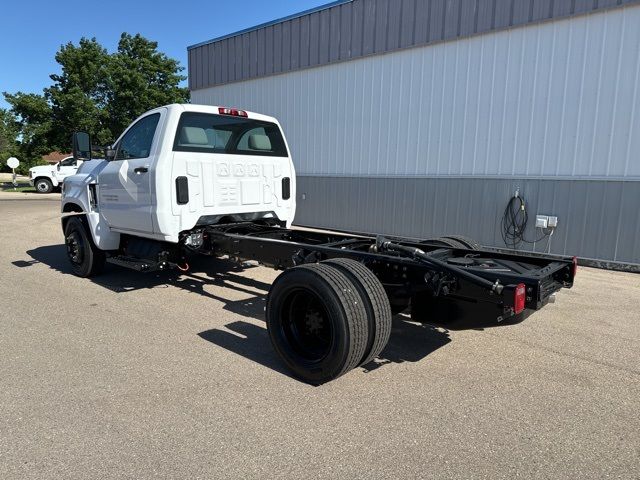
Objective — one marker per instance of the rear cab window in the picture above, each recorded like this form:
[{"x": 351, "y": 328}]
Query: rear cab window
[{"x": 211, "y": 133}]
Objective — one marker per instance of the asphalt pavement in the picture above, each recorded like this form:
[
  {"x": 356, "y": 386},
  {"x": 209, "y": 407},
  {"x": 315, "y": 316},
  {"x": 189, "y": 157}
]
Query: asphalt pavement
[{"x": 133, "y": 375}]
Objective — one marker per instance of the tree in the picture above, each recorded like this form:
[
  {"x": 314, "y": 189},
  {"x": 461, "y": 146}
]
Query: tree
[
  {"x": 33, "y": 124},
  {"x": 8, "y": 137},
  {"x": 140, "y": 78},
  {"x": 78, "y": 95},
  {"x": 95, "y": 91}
]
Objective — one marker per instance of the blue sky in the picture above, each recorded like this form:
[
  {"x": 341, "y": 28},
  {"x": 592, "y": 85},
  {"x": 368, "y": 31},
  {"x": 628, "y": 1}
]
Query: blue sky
[{"x": 32, "y": 31}]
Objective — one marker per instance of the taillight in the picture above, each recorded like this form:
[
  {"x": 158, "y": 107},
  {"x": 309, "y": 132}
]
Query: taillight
[
  {"x": 519, "y": 298},
  {"x": 232, "y": 111},
  {"x": 574, "y": 266}
]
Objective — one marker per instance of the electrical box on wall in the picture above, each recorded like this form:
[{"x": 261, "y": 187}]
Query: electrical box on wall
[
  {"x": 542, "y": 221},
  {"x": 546, "y": 221}
]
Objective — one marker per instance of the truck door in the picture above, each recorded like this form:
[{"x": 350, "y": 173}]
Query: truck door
[
  {"x": 125, "y": 197},
  {"x": 66, "y": 167}
]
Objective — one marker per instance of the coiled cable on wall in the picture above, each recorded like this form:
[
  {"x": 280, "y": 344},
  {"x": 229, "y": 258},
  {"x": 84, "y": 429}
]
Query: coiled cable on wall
[{"x": 514, "y": 223}]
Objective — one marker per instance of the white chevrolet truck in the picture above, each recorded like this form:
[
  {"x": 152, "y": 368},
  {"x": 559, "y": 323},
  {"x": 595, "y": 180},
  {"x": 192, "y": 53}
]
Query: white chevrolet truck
[
  {"x": 47, "y": 177},
  {"x": 184, "y": 181}
]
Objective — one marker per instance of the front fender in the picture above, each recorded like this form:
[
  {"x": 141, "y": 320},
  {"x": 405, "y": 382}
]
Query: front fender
[
  {"x": 51, "y": 178},
  {"x": 75, "y": 200}
]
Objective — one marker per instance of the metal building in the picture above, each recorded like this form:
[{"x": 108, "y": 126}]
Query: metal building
[{"x": 423, "y": 117}]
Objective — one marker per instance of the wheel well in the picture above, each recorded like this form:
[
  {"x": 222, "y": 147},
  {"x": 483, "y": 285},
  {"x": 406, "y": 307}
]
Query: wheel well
[
  {"x": 41, "y": 177},
  {"x": 69, "y": 208}
]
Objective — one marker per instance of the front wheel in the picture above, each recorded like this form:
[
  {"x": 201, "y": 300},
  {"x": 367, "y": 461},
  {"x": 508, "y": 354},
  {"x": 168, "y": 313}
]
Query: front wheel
[
  {"x": 86, "y": 259},
  {"x": 43, "y": 185}
]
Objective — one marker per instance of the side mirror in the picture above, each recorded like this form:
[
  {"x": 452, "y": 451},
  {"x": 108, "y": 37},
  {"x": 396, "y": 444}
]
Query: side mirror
[
  {"x": 58, "y": 166},
  {"x": 109, "y": 154},
  {"x": 81, "y": 146}
]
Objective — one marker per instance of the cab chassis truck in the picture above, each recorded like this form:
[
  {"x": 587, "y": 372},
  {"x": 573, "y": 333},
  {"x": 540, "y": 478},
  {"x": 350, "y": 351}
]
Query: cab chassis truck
[{"x": 185, "y": 181}]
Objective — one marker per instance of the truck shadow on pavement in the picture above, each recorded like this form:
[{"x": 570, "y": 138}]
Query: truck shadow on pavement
[
  {"x": 210, "y": 272},
  {"x": 410, "y": 341}
]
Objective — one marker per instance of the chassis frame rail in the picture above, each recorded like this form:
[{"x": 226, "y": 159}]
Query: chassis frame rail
[{"x": 406, "y": 268}]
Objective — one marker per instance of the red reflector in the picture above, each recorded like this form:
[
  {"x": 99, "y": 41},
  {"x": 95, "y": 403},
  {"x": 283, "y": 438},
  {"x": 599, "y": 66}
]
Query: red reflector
[
  {"x": 232, "y": 111},
  {"x": 574, "y": 268},
  {"x": 519, "y": 298}
]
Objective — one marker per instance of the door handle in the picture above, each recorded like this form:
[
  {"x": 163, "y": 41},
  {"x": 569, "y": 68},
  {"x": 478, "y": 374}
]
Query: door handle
[{"x": 141, "y": 170}]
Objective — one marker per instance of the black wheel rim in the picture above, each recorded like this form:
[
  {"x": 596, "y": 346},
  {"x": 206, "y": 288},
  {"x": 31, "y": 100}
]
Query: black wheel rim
[
  {"x": 307, "y": 325},
  {"x": 75, "y": 248}
]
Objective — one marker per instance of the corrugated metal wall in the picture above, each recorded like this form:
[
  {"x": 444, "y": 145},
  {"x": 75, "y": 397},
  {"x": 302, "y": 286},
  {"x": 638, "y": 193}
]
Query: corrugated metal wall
[
  {"x": 364, "y": 27},
  {"x": 554, "y": 101},
  {"x": 598, "y": 219}
]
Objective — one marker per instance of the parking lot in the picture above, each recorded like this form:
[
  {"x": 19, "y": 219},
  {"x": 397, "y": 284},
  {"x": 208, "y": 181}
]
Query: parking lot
[{"x": 134, "y": 375}]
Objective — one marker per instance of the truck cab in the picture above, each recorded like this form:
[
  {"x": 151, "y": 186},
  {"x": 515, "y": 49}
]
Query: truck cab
[
  {"x": 180, "y": 167},
  {"x": 47, "y": 177}
]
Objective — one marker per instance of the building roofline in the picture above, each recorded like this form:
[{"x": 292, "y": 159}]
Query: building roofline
[{"x": 272, "y": 22}]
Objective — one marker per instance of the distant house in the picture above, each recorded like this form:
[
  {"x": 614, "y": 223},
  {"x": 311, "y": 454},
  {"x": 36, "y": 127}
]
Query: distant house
[{"x": 55, "y": 157}]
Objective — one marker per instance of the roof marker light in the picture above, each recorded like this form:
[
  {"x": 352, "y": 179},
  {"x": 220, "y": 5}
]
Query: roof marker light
[{"x": 232, "y": 111}]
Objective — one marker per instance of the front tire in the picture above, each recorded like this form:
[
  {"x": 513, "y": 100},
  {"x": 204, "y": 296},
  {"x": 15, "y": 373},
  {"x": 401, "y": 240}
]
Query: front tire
[
  {"x": 85, "y": 258},
  {"x": 43, "y": 185},
  {"x": 317, "y": 322}
]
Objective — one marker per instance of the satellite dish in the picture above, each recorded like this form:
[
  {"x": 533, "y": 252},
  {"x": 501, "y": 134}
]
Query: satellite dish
[{"x": 13, "y": 162}]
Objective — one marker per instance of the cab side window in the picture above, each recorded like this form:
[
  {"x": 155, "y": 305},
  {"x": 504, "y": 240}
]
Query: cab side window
[
  {"x": 68, "y": 162},
  {"x": 137, "y": 142}
]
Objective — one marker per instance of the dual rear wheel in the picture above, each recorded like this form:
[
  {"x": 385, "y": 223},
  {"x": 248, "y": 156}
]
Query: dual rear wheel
[{"x": 327, "y": 318}]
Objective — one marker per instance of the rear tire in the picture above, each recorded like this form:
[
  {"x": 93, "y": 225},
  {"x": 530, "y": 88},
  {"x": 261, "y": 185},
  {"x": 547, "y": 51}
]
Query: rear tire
[
  {"x": 85, "y": 258},
  {"x": 445, "y": 242},
  {"x": 375, "y": 300},
  {"x": 43, "y": 185},
  {"x": 469, "y": 243},
  {"x": 317, "y": 322}
]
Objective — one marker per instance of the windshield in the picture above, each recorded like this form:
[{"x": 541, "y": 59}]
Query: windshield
[{"x": 210, "y": 133}]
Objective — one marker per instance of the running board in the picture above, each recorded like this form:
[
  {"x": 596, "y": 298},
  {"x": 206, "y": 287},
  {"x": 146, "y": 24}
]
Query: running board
[{"x": 133, "y": 263}]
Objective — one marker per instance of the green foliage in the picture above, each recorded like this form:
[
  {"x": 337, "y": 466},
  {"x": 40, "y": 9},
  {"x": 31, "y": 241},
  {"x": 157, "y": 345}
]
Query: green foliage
[
  {"x": 78, "y": 95},
  {"x": 140, "y": 78},
  {"x": 8, "y": 134},
  {"x": 31, "y": 126},
  {"x": 96, "y": 91}
]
